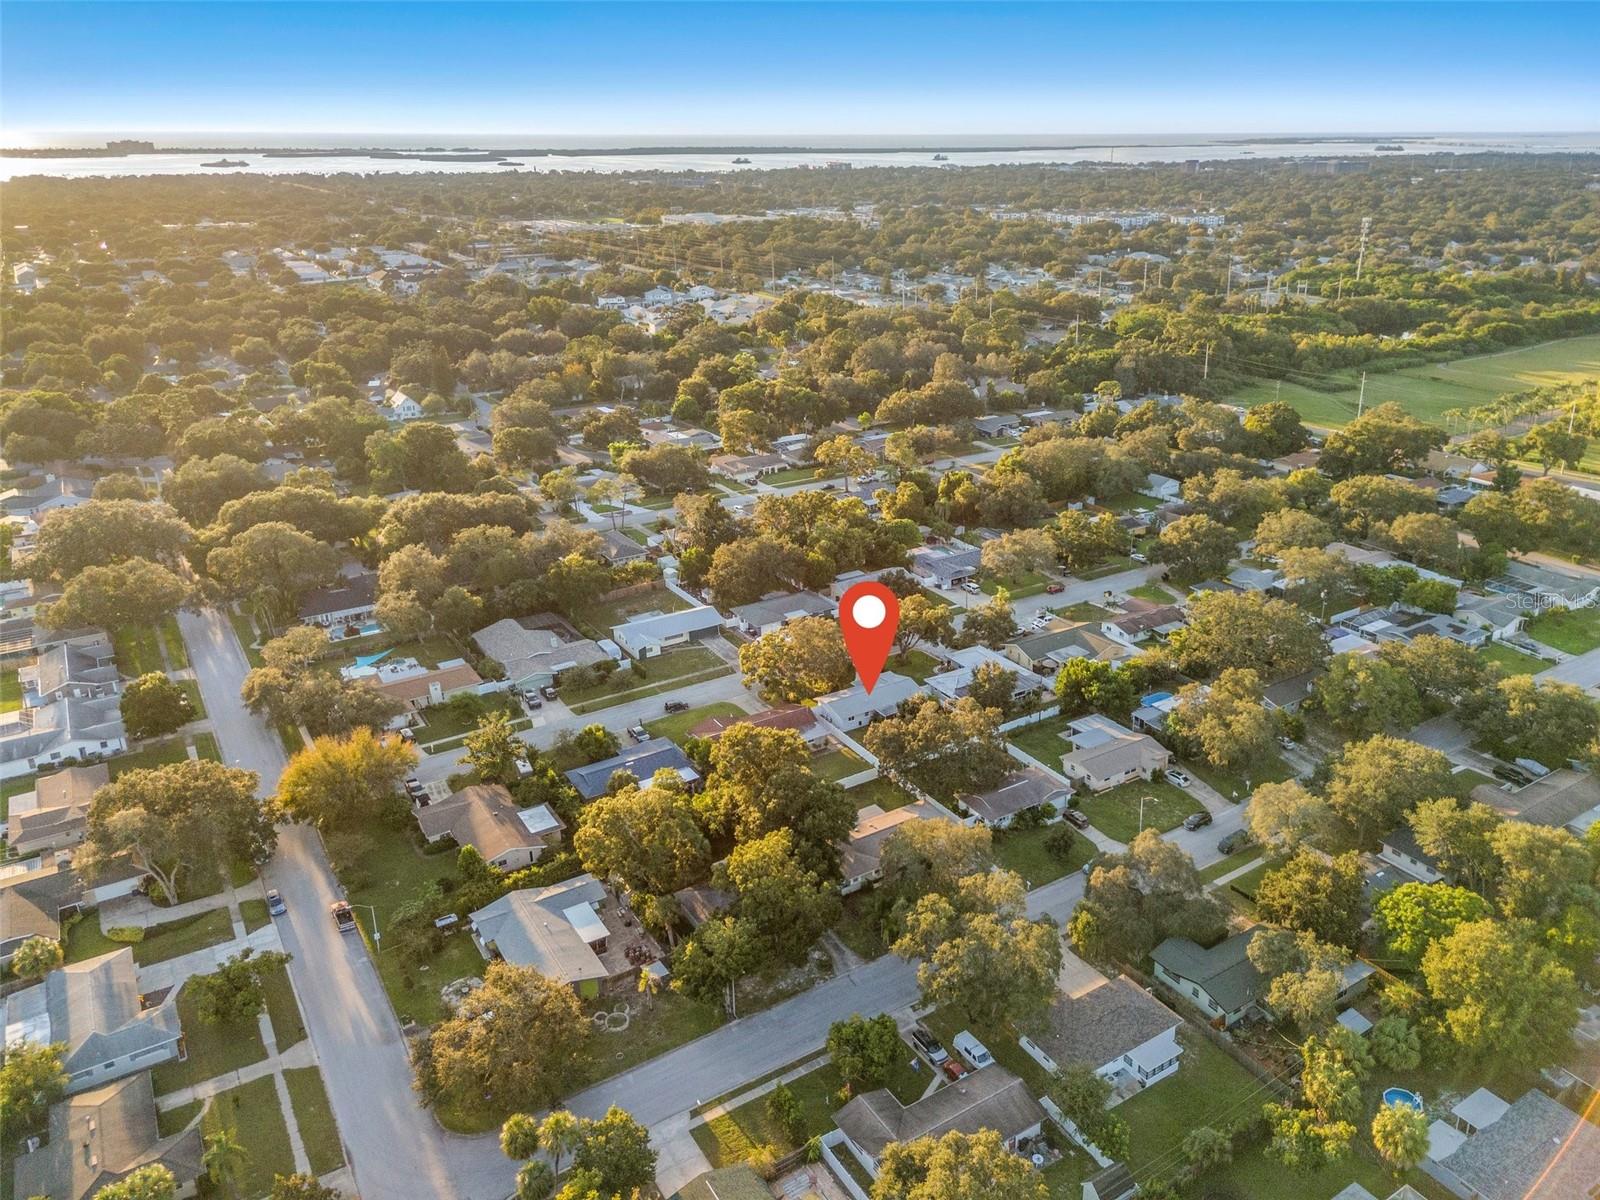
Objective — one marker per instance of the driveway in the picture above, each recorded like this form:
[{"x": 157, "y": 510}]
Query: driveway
[{"x": 1582, "y": 669}]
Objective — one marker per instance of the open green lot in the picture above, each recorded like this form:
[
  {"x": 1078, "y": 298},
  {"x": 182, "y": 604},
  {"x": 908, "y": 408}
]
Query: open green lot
[
  {"x": 138, "y": 650},
  {"x": 253, "y": 1113},
  {"x": 1024, "y": 851},
  {"x": 314, "y": 1117},
  {"x": 1018, "y": 588},
  {"x": 1116, "y": 813},
  {"x": 664, "y": 673},
  {"x": 1573, "y": 630},
  {"x": 1236, "y": 785},
  {"x": 154, "y": 754},
  {"x": 1153, "y": 592},
  {"x": 461, "y": 714},
  {"x": 677, "y": 725},
  {"x": 1431, "y": 390},
  {"x": 172, "y": 643},
  {"x": 598, "y": 619},
  {"x": 1043, "y": 741},
  {"x": 1510, "y": 660},
  {"x": 734, "y": 1135},
  {"x": 1233, "y": 862}
]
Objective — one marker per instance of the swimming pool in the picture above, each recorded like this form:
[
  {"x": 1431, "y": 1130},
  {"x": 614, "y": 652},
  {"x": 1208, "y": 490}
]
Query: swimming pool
[{"x": 1396, "y": 1095}]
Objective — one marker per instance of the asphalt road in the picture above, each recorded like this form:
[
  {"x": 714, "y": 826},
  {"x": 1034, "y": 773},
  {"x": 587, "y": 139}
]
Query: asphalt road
[{"x": 396, "y": 1148}]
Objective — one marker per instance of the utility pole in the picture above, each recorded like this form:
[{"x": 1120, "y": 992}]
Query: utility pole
[
  {"x": 1361, "y": 400},
  {"x": 1205, "y": 372},
  {"x": 1227, "y": 285},
  {"x": 1361, "y": 255}
]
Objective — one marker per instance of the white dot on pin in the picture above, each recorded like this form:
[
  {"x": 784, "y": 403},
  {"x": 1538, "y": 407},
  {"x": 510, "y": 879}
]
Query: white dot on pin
[{"x": 868, "y": 611}]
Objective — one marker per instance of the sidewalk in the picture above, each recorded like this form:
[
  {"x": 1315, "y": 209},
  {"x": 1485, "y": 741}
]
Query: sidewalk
[
  {"x": 174, "y": 971},
  {"x": 139, "y": 911}
]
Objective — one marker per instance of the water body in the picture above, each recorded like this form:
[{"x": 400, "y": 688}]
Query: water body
[{"x": 1013, "y": 151}]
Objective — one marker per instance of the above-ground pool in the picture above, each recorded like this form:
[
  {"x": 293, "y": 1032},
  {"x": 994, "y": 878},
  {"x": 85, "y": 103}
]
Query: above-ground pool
[{"x": 1396, "y": 1095}]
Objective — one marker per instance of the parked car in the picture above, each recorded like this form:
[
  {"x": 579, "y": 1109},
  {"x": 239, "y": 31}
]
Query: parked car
[
  {"x": 532, "y": 700},
  {"x": 408, "y": 736},
  {"x": 929, "y": 1046},
  {"x": 1139, "y": 558},
  {"x": 677, "y": 706},
  {"x": 639, "y": 733},
  {"x": 1042, "y": 621},
  {"x": 1088, "y": 867},
  {"x": 1235, "y": 841},
  {"x": 1198, "y": 820},
  {"x": 1181, "y": 778},
  {"x": 1076, "y": 818},
  {"x": 954, "y": 1069},
  {"x": 971, "y": 1049},
  {"x": 343, "y": 917},
  {"x": 1054, "y": 589},
  {"x": 971, "y": 585},
  {"x": 275, "y": 904},
  {"x": 548, "y": 691},
  {"x": 1288, "y": 743}
]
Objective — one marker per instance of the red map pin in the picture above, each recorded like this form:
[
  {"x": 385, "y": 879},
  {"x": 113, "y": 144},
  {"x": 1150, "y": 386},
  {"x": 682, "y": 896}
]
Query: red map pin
[{"x": 869, "y": 615}]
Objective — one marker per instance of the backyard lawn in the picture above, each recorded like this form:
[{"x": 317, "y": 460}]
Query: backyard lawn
[
  {"x": 676, "y": 726},
  {"x": 885, "y": 793},
  {"x": 664, "y": 673},
  {"x": 1574, "y": 630},
  {"x": 1116, "y": 813},
  {"x": 212, "y": 1049},
  {"x": 10, "y": 690},
  {"x": 1024, "y": 852},
  {"x": 183, "y": 936},
  {"x": 836, "y": 764},
  {"x": 1510, "y": 660},
  {"x": 916, "y": 664},
  {"x": 252, "y": 1111},
  {"x": 314, "y": 1117},
  {"x": 1043, "y": 741},
  {"x": 599, "y": 618}
]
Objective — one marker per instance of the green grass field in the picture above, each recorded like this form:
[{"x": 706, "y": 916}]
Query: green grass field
[
  {"x": 1511, "y": 661},
  {"x": 253, "y": 1113},
  {"x": 314, "y": 1116},
  {"x": 1428, "y": 392},
  {"x": 676, "y": 727},
  {"x": 1575, "y": 630}
]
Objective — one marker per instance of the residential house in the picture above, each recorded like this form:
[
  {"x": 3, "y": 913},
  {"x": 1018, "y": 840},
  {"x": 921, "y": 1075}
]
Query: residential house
[
  {"x": 1501, "y": 614},
  {"x": 343, "y": 606},
  {"x": 1287, "y": 695},
  {"x": 484, "y": 816},
  {"x": 1220, "y": 981},
  {"x": 650, "y": 634},
  {"x": 1106, "y": 754},
  {"x": 776, "y": 609},
  {"x": 619, "y": 548},
  {"x": 641, "y": 760},
  {"x": 59, "y": 732},
  {"x": 1161, "y": 487},
  {"x": 1047, "y": 652},
  {"x": 415, "y": 687},
  {"x": 746, "y": 468},
  {"x": 99, "y": 1137},
  {"x": 1141, "y": 620},
  {"x": 782, "y": 716},
  {"x": 402, "y": 407},
  {"x": 992, "y": 1098},
  {"x": 34, "y": 897},
  {"x": 576, "y": 932},
  {"x": 95, "y": 1009},
  {"x": 45, "y": 496},
  {"x": 1018, "y": 792},
  {"x": 25, "y": 597},
  {"x": 861, "y": 854},
  {"x": 54, "y": 815},
  {"x": 946, "y": 566},
  {"x": 1534, "y": 1149},
  {"x": 84, "y": 670},
  {"x": 998, "y": 425},
  {"x": 1400, "y": 848},
  {"x": 702, "y": 903},
  {"x": 1113, "y": 1026},
  {"x": 1546, "y": 587},
  {"x": 956, "y": 680},
  {"x": 1562, "y": 799},
  {"x": 793, "y": 448},
  {"x": 854, "y": 706},
  {"x": 535, "y": 650}
]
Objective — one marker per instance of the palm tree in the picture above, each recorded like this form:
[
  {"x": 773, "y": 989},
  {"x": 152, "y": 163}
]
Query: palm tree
[
  {"x": 559, "y": 1134},
  {"x": 536, "y": 1181},
  {"x": 224, "y": 1157},
  {"x": 649, "y": 985}
]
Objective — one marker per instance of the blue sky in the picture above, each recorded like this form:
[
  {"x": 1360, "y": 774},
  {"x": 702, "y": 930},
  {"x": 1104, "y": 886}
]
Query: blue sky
[{"x": 752, "y": 68}]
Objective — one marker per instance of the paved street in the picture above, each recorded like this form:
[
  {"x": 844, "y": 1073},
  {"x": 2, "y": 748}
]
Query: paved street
[
  {"x": 397, "y": 1150},
  {"x": 1582, "y": 669}
]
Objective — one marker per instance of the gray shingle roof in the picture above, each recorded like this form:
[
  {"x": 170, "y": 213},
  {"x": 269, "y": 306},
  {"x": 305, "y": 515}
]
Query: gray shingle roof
[
  {"x": 643, "y": 760},
  {"x": 992, "y": 1098},
  {"x": 1102, "y": 1024},
  {"x": 1224, "y": 971},
  {"x": 1539, "y": 1150}
]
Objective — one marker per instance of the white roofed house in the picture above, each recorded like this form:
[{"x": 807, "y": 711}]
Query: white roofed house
[
  {"x": 946, "y": 566},
  {"x": 955, "y": 681},
  {"x": 416, "y": 687},
  {"x": 861, "y": 854},
  {"x": 83, "y": 670},
  {"x": 60, "y": 732},
  {"x": 402, "y": 407},
  {"x": 652, "y": 633},
  {"x": 575, "y": 931},
  {"x": 854, "y": 707},
  {"x": 54, "y": 815}
]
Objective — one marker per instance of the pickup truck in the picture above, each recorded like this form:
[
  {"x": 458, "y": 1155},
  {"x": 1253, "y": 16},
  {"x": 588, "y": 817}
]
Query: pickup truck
[{"x": 343, "y": 917}]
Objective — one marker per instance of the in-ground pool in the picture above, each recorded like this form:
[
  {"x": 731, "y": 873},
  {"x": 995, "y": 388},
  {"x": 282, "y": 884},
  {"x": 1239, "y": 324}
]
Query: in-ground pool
[{"x": 1396, "y": 1095}]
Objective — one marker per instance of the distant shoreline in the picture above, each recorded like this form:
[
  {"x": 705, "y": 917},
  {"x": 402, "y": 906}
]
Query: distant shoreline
[{"x": 476, "y": 154}]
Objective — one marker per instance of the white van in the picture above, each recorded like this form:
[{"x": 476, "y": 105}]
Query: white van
[{"x": 971, "y": 1049}]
